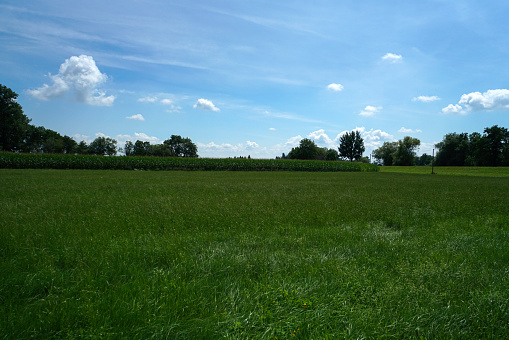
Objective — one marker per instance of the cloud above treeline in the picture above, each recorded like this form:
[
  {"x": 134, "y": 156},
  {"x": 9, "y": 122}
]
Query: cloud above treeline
[
  {"x": 80, "y": 76},
  {"x": 370, "y": 111},
  {"x": 491, "y": 100},
  {"x": 205, "y": 104}
]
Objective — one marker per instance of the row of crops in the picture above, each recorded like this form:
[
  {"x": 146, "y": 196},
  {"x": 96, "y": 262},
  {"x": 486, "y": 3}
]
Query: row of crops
[{"x": 56, "y": 161}]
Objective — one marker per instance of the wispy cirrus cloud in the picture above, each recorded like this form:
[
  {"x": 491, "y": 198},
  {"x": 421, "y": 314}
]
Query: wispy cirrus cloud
[
  {"x": 425, "y": 99},
  {"x": 393, "y": 58},
  {"x": 136, "y": 117}
]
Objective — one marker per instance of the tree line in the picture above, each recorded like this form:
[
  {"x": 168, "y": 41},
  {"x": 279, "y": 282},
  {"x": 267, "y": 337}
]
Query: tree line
[
  {"x": 351, "y": 147},
  {"x": 18, "y": 135}
]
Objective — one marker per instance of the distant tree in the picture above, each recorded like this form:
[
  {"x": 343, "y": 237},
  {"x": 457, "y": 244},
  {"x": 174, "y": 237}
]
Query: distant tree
[
  {"x": 181, "y": 147},
  {"x": 331, "y": 155},
  {"x": 13, "y": 123},
  {"x": 103, "y": 146},
  {"x": 70, "y": 145},
  {"x": 82, "y": 148},
  {"x": 386, "y": 153},
  {"x": 453, "y": 150},
  {"x": 351, "y": 146},
  {"x": 141, "y": 148},
  {"x": 495, "y": 145},
  {"x": 307, "y": 149},
  {"x": 406, "y": 151},
  {"x": 129, "y": 148},
  {"x": 424, "y": 160}
]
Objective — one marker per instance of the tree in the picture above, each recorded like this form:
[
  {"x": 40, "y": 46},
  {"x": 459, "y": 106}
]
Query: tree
[
  {"x": 424, "y": 160},
  {"x": 13, "y": 123},
  {"x": 406, "y": 151},
  {"x": 181, "y": 147},
  {"x": 331, "y": 155},
  {"x": 453, "y": 150},
  {"x": 103, "y": 146},
  {"x": 351, "y": 146},
  {"x": 129, "y": 148},
  {"x": 307, "y": 149},
  {"x": 386, "y": 153},
  {"x": 496, "y": 142}
]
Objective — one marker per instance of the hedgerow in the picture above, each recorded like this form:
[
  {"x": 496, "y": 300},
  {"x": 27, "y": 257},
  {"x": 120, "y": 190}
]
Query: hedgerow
[{"x": 59, "y": 161}]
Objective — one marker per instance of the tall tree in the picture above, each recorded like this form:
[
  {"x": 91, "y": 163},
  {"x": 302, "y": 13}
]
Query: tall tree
[
  {"x": 386, "y": 153},
  {"x": 103, "y": 146},
  {"x": 13, "y": 123},
  {"x": 406, "y": 152},
  {"x": 307, "y": 149},
  {"x": 453, "y": 150},
  {"x": 351, "y": 146},
  {"x": 496, "y": 142}
]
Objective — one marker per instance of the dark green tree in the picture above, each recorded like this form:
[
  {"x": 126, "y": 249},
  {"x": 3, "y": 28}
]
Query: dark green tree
[
  {"x": 331, "y": 155},
  {"x": 13, "y": 123},
  {"x": 181, "y": 147},
  {"x": 307, "y": 149},
  {"x": 351, "y": 146},
  {"x": 103, "y": 146},
  {"x": 495, "y": 144},
  {"x": 386, "y": 153},
  {"x": 453, "y": 150},
  {"x": 406, "y": 151}
]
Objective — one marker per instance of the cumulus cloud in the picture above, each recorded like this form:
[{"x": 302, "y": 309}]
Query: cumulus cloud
[
  {"x": 321, "y": 139},
  {"x": 251, "y": 145},
  {"x": 405, "y": 130},
  {"x": 491, "y": 100},
  {"x": 454, "y": 109},
  {"x": 148, "y": 99},
  {"x": 293, "y": 141},
  {"x": 335, "y": 87},
  {"x": 370, "y": 110},
  {"x": 80, "y": 76},
  {"x": 205, "y": 104},
  {"x": 272, "y": 129},
  {"x": 393, "y": 58},
  {"x": 425, "y": 99},
  {"x": 166, "y": 101},
  {"x": 136, "y": 117}
]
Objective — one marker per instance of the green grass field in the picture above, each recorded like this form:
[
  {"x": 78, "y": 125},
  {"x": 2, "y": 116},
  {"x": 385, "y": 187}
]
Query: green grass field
[
  {"x": 450, "y": 170},
  {"x": 241, "y": 255}
]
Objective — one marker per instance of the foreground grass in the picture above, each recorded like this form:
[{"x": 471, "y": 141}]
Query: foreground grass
[{"x": 252, "y": 255}]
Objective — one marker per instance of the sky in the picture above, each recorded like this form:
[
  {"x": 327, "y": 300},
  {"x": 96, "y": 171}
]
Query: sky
[{"x": 255, "y": 77}]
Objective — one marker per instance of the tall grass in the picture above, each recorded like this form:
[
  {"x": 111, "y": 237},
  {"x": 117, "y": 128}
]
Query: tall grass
[{"x": 238, "y": 255}]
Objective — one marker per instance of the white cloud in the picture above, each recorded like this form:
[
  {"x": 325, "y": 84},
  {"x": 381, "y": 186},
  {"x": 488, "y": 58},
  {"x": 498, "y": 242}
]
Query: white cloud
[
  {"x": 491, "y": 100},
  {"x": 454, "y": 109},
  {"x": 136, "y": 117},
  {"x": 148, "y": 99},
  {"x": 166, "y": 101},
  {"x": 205, "y": 104},
  {"x": 146, "y": 138},
  {"x": 322, "y": 139},
  {"x": 272, "y": 129},
  {"x": 425, "y": 99},
  {"x": 79, "y": 75},
  {"x": 370, "y": 110},
  {"x": 251, "y": 145},
  {"x": 335, "y": 87},
  {"x": 405, "y": 130},
  {"x": 393, "y": 58},
  {"x": 293, "y": 141}
]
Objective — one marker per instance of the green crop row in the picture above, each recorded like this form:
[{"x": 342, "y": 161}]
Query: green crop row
[{"x": 57, "y": 161}]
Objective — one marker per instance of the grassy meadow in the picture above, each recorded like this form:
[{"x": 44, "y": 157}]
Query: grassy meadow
[{"x": 242, "y": 255}]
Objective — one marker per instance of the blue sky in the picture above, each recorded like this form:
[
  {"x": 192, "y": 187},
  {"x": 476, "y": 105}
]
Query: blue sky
[{"x": 254, "y": 77}]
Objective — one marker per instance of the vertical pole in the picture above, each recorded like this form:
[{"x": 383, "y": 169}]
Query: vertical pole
[{"x": 432, "y": 161}]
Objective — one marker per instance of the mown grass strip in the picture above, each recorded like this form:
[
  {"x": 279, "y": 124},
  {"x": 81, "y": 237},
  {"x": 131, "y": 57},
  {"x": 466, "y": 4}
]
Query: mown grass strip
[{"x": 56, "y": 161}]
